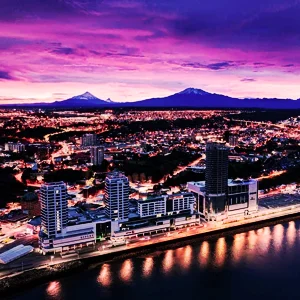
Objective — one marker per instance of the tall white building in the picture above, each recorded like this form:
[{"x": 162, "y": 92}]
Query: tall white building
[
  {"x": 97, "y": 155},
  {"x": 116, "y": 196},
  {"x": 54, "y": 208}
]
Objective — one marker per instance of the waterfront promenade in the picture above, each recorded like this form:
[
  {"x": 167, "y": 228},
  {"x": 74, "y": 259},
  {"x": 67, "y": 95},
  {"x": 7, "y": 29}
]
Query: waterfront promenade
[{"x": 38, "y": 261}]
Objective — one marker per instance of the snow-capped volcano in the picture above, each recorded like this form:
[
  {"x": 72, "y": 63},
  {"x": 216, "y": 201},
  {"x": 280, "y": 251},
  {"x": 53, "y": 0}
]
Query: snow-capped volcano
[
  {"x": 85, "y": 96},
  {"x": 90, "y": 97},
  {"x": 84, "y": 100},
  {"x": 193, "y": 91}
]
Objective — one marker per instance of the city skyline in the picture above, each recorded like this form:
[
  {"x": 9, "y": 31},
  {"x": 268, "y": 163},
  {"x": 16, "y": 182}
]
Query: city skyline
[
  {"x": 83, "y": 186},
  {"x": 135, "y": 50}
]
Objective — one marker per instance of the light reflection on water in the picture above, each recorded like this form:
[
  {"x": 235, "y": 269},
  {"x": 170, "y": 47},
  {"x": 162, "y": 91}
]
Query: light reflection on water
[
  {"x": 186, "y": 258},
  {"x": 148, "y": 266},
  {"x": 252, "y": 239},
  {"x": 204, "y": 254},
  {"x": 258, "y": 250},
  {"x": 264, "y": 241},
  {"x": 54, "y": 290},
  {"x": 245, "y": 246},
  {"x": 126, "y": 271},
  {"x": 238, "y": 247},
  {"x": 104, "y": 277},
  {"x": 168, "y": 261},
  {"x": 278, "y": 232},
  {"x": 220, "y": 253},
  {"x": 291, "y": 233}
]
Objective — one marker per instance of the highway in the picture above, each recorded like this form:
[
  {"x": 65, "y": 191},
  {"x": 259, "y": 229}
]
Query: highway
[
  {"x": 192, "y": 164},
  {"x": 281, "y": 126},
  {"x": 272, "y": 175},
  {"x": 144, "y": 187}
]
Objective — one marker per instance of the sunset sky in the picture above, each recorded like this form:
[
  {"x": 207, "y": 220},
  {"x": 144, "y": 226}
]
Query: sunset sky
[{"x": 130, "y": 50}]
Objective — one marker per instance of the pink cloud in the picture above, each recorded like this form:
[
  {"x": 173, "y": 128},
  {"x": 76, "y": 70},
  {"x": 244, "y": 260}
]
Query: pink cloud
[{"x": 136, "y": 52}]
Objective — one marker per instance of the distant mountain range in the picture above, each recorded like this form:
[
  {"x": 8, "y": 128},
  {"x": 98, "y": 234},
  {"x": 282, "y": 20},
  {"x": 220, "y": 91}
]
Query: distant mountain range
[{"x": 191, "y": 97}]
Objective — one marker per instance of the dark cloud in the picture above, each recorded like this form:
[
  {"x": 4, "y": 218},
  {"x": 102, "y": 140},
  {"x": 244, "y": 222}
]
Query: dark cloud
[
  {"x": 214, "y": 35},
  {"x": 248, "y": 80},
  {"x": 241, "y": 24},
  {"x": 279, "y": 24},
  {"x": 265, "y": 25},
  {"x": 214, "y": 66},
  {"x": 10, "y": 42},
  {"x": 95, "y": 52},
  {"x": 220, "y": 66},
  {"x": 288, "y": 65},
  {"x": 64, "y": 51},
  {"x": 121, "y": 51},
  {"x": 4, "y": 75},
  {"x": 121, "y": 54},
  {"x": 18, "y": 10},
  {"x": 258, "y": 65}
]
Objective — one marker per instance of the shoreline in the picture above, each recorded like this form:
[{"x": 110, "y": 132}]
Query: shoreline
[{"x": 41, "y": 275}]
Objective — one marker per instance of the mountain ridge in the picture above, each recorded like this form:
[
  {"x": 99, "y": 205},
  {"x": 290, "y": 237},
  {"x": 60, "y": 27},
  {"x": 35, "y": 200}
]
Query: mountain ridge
[{"x": 189, "y": 97}]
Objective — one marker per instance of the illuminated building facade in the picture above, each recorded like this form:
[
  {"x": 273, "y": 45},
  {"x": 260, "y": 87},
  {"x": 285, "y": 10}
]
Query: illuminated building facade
[
  {"x": 97, "y": 155},
  {"x": 116, "y": 196},
  {"x": 89, "y": 139},
  {"x": 216, "y": 178},
  {"x": 54, "y": 208}
]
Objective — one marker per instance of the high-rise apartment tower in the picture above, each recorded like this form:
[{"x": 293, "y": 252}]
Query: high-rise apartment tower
[
  {"x": 116, "y": 196},
  {"x": 97, "y": 155},
  {"x": 54, "y": 208},
  {"x": 216, "y": 177}
]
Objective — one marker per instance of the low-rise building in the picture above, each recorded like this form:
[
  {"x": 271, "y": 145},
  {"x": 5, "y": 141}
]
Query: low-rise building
[
  {"x": 181, "y": 203},
  {"x": 14, "y": 147},
  {"x": 154, "y": 206},
  {"x": 242, "y": 197},
  {"x": 158, "y": 214},
  {"x": 30, "y": 205}
]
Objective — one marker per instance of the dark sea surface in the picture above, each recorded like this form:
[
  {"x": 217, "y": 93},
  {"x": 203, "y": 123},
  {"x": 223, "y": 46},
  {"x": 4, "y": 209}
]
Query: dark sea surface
[{"x": 257, "y": 264}]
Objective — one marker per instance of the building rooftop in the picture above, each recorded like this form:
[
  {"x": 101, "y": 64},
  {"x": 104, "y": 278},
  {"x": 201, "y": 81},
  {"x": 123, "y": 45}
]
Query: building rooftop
[
  {"x": 197, "y": 183},
  {"x": 181, "y": 194},
  {"x": 30, "y": 197},
  {"x": 53, "y": 183},
  {"x": 115, "y": 175},
  {"x": 14, "y": 253},
  {"x": 152, "y": 199},
  {"x": 35, "y": 221},
  {"x": 233, "y": 182},
  {"x": 77, "y": 216}
]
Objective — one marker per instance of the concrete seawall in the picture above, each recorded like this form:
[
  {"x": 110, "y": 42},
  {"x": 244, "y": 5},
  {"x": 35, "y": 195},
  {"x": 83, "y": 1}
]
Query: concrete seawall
[{"x": 33, "y": 277}]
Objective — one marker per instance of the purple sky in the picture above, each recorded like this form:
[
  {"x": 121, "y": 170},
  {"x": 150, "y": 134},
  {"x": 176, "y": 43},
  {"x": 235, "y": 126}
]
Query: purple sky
[{"x": 135, "y": 49}]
